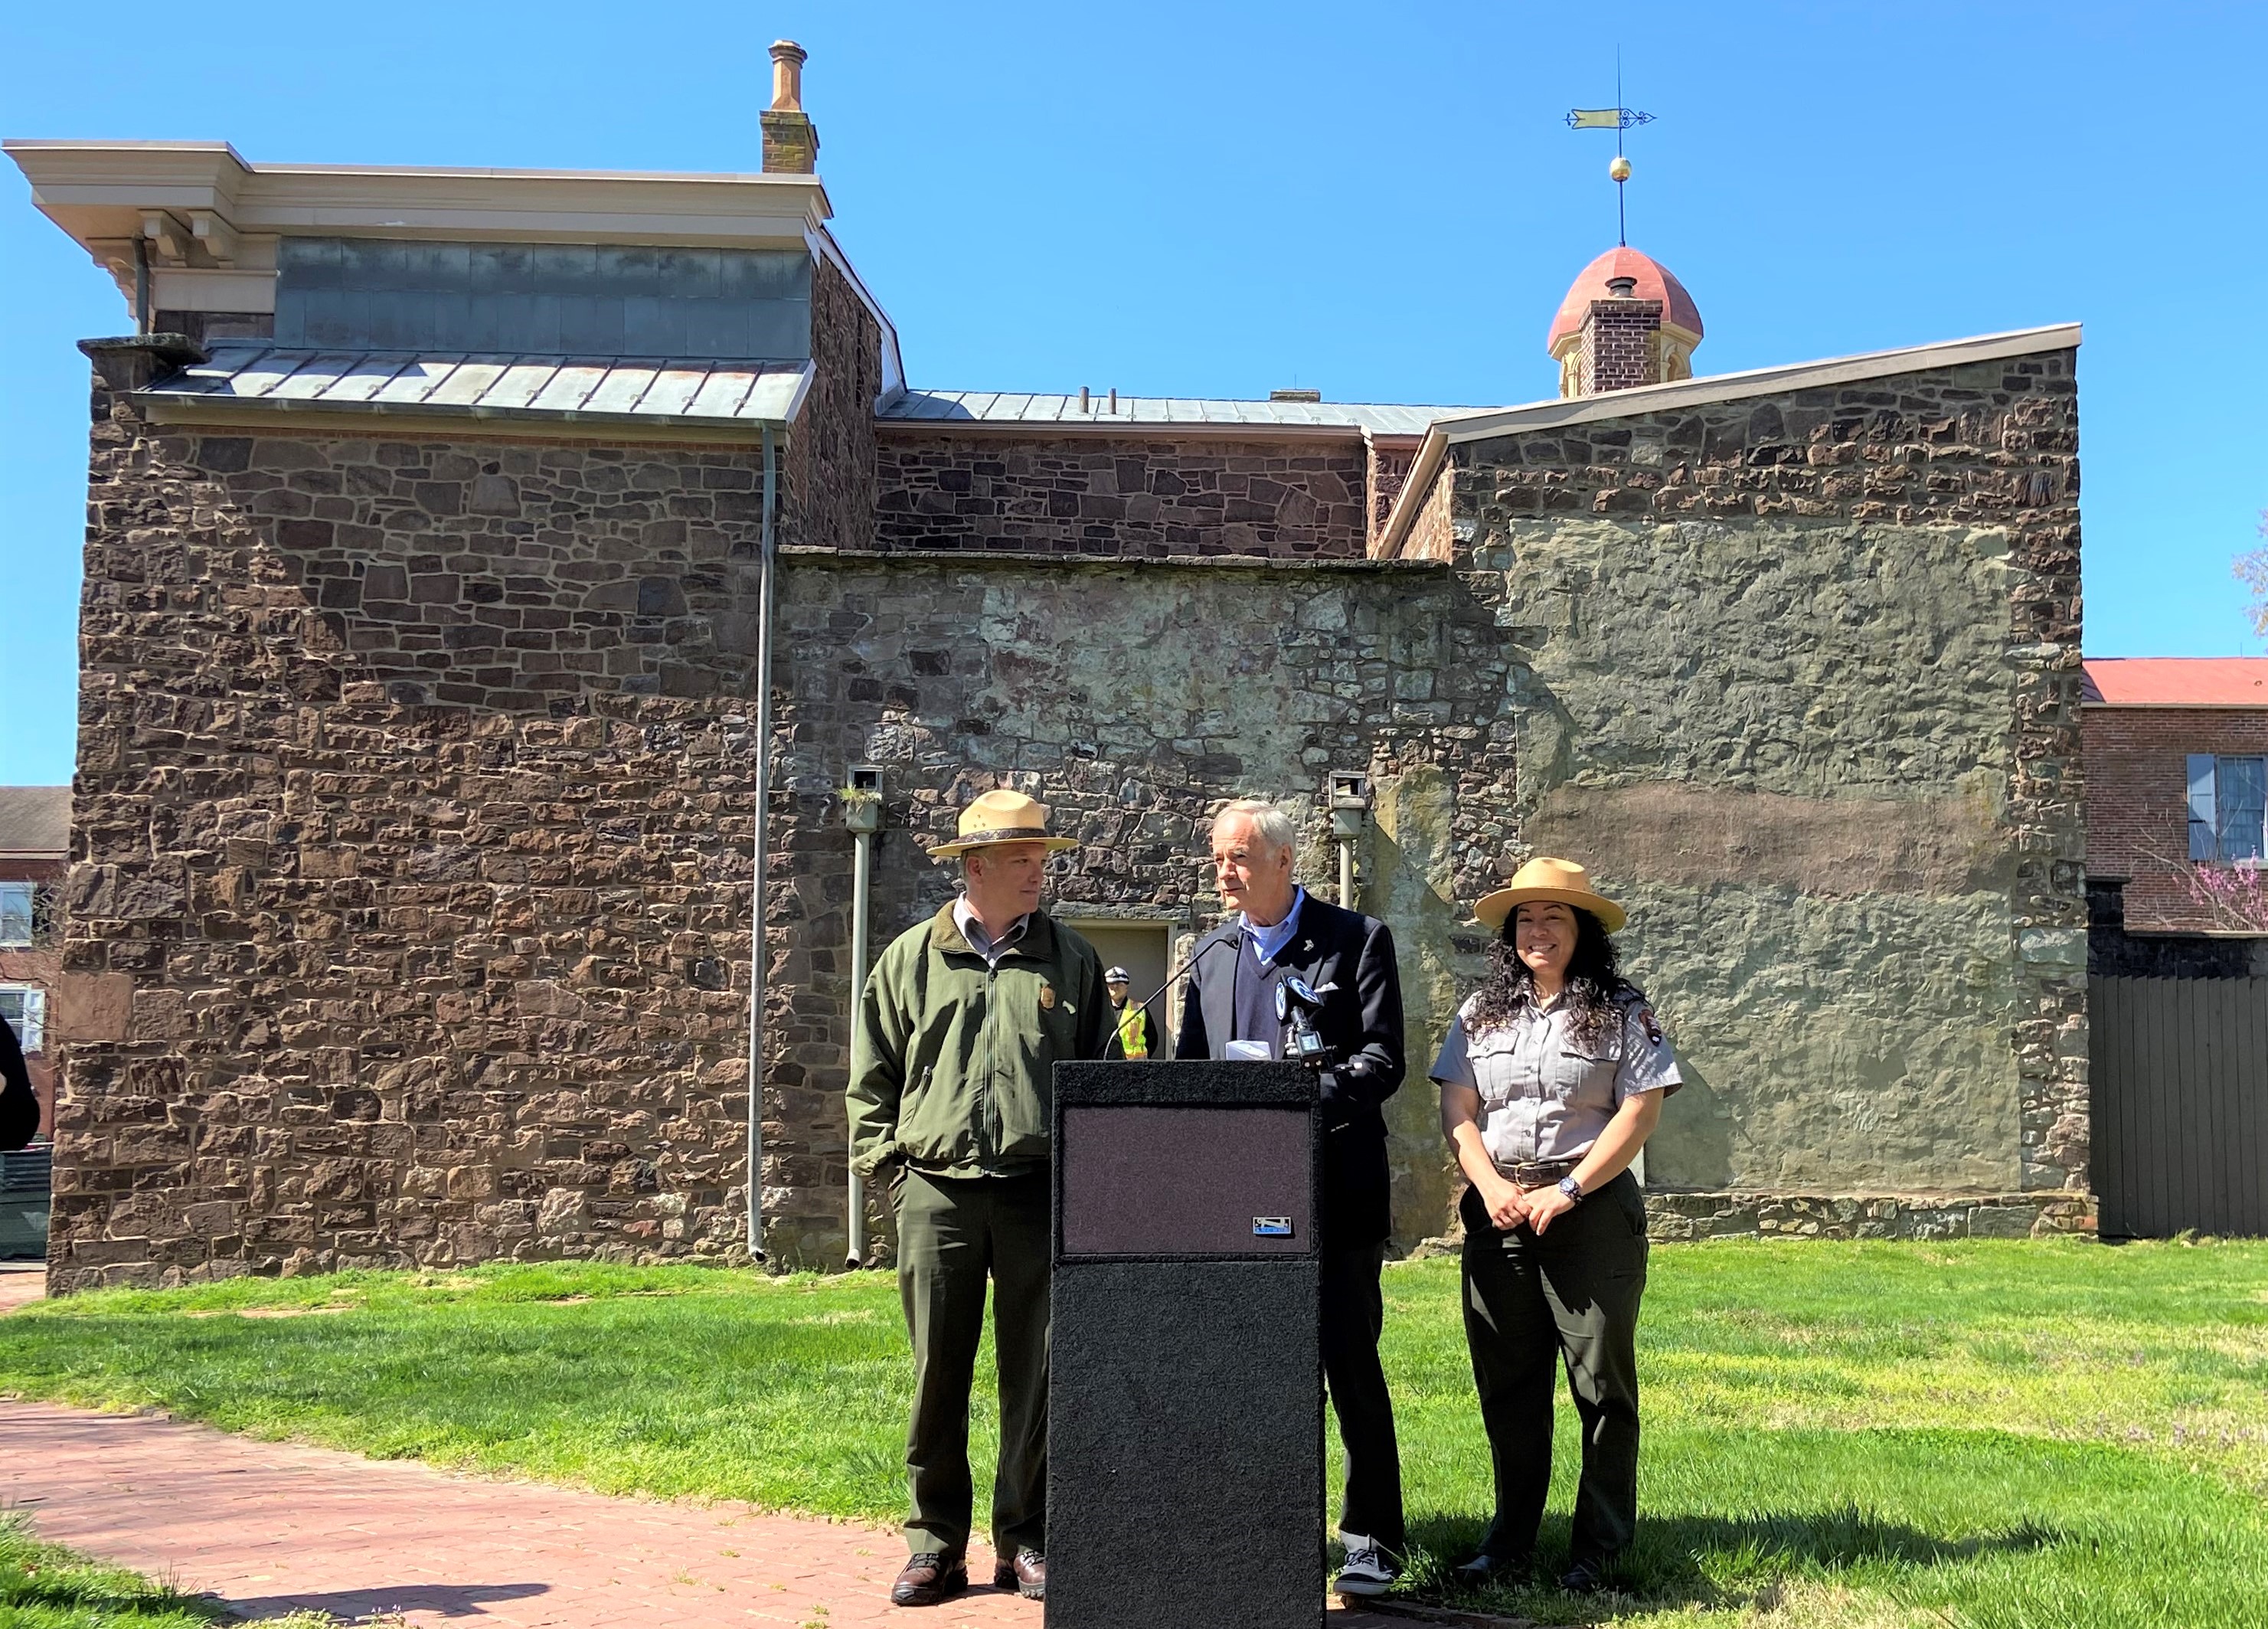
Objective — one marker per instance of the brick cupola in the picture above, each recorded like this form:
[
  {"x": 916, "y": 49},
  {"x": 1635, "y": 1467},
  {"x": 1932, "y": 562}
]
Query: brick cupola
[
  {"x": 1625, "y": 321},
  {"x": 791, "y": 139}
]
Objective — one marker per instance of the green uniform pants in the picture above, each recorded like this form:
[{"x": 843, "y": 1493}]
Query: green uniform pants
[
  {"x": 953, "y": 1233},
  {"x": 1532, "y": 1303}
]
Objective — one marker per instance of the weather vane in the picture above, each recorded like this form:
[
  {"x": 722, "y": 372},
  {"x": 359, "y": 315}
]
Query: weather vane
[{"x": 1617, "y": 119}]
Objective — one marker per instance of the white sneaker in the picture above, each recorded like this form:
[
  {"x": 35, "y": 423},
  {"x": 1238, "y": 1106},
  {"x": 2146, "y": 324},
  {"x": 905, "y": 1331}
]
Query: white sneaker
[{"x": 1367, "y": 1571}]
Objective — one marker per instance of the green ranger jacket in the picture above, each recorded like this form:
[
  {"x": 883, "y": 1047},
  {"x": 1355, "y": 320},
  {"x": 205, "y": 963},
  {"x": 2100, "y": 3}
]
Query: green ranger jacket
[{"x": 953, "y": 1064}]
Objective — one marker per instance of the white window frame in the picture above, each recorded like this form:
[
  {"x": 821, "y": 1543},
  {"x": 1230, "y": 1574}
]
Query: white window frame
[
  {"x": 28, "y": 892},
  {"x": 31, "y": 1033}
]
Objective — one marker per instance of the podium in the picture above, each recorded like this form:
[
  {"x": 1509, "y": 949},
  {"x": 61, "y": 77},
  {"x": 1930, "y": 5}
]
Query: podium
[{"x": 1185, "y": 1393}]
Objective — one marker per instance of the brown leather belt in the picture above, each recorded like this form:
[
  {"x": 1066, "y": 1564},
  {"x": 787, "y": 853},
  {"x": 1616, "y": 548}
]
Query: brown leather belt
[{"x": 1548, "y": 1175}]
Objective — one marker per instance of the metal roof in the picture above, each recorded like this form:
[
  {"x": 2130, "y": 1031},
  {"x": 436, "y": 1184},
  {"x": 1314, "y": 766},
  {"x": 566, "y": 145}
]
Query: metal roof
[
  {"x": 1001, "y": 407},
  {"x": 609, "y": 390},
  {"x": 2176, "y": 681},
  {"x": 36, "y": 822}
]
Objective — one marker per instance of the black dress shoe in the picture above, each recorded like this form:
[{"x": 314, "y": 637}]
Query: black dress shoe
[
  {"x": 1586, "y": 1577},
  {"x": 928, "y": 1579},
  {"x": 1495, "y": 1569},
  {"x": 1026, "y": 1574}
]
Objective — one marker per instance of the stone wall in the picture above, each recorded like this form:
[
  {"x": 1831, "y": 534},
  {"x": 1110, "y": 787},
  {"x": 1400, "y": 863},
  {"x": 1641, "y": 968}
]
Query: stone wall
[
  {"x": 830, "y": 462},
  {"x": 1018, "y": 488},
  {"x": 414, "y": 803},
  {"x": 1801, "y": 682},
  {"x": 412, "y": 816},
  {"x": 1074, "y": 679},
  {"x": 2138, "y": 826}
]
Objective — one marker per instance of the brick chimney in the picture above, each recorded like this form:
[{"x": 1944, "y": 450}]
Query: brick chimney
[
  {"x": 790, "y": 140},
  {"x": 1621, "y": 340}
]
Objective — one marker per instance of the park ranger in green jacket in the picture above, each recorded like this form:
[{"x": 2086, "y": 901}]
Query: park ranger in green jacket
[{"x": 961, "y": 1026}]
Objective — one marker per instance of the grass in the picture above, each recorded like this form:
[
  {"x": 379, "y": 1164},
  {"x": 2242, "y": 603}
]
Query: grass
[
  {"x": 2005, "y": 1434},
  {"x": 47, "y": 1587}
]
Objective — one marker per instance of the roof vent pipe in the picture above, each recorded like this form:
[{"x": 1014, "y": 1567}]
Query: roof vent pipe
[{"x": 1623, "y": 288}]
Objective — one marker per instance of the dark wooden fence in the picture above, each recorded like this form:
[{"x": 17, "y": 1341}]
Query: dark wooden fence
[{"x": 2179, "y": 1068}]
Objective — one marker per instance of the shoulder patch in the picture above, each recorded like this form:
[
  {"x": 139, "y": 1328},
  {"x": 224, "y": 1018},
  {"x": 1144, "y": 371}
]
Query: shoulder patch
[{"x": 1653, "y": 1025}]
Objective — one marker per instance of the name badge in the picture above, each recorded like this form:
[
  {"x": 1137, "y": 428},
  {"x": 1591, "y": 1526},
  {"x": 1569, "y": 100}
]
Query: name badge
[{"x": 1272, "y": 1226}]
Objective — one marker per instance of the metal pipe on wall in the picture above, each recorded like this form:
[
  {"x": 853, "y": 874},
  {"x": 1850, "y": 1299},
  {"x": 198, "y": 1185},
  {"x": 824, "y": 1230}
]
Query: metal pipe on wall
[
  {"x": 1346, "y": 874},
  {"x": 860, "y": 897},
  {"x": 759, "y": 949}
]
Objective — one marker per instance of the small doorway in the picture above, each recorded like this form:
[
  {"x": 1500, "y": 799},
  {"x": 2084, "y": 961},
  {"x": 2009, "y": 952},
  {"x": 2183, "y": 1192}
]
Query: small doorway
[{"x": 1142, "y": 948}]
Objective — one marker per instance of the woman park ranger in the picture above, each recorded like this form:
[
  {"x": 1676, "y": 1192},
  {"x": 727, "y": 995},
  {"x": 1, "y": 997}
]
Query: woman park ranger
[{"x": 1552, "y": 1076}]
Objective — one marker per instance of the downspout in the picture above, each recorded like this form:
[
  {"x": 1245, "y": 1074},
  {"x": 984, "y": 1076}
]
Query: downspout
[
  {"x": 1346, "y": 873},
  {"x": 759, "y": 948},
  {"x": 861, "y": 892}
]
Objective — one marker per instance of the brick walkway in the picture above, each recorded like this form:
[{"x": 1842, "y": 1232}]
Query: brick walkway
[{"x": 270, "y": 1526}]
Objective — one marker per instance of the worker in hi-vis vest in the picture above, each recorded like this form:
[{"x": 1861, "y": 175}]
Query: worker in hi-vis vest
[{"x": 1133, "y": 1031}]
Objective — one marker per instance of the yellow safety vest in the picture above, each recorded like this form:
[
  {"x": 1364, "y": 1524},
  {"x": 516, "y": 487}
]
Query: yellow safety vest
[{"x": 1129, "y": 1031}]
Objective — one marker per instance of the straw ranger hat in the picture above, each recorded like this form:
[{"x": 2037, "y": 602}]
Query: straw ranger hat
[
  {"x": 1001, "y": 817},
  {"x": 1560, "y": 881}
]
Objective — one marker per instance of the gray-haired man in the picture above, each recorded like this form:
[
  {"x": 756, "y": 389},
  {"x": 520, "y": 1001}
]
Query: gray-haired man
[{"x": 1280, "y": 930}]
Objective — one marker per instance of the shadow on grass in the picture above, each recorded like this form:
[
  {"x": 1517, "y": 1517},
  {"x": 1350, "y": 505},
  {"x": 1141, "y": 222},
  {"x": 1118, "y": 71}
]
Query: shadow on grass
[{"x": 1695, "y": 1560}]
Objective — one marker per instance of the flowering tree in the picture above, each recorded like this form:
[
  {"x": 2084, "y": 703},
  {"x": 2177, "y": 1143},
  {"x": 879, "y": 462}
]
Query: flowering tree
[
  {"x": 2252, "y": 571},
  {"x": 2235, "y": 896}
]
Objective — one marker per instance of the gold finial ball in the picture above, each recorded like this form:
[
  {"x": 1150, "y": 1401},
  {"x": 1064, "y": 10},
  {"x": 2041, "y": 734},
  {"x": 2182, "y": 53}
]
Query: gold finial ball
[{"x": 1619, "y": 169}]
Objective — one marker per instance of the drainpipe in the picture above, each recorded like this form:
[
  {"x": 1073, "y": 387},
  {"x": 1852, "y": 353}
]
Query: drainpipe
[
  {"x": 1349, "y": 812},
  {"x": 862, "y": 813},
  {"x": 759, "y": 949}
]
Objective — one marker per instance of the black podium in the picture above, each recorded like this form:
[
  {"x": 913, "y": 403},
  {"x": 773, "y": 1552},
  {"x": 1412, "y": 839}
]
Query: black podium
[{"x": 1185, "y": 1394}]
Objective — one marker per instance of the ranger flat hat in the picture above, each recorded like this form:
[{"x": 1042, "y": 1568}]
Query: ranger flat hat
[
  {"x": 1001, "y": 817},
  {"x": 1562, "y": 881}
]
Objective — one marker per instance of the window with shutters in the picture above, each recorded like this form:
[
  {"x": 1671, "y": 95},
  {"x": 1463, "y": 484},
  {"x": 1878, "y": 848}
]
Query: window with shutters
[
  {"x": 16, "y": 905},
  {"x": 25, "y": 1006},
  {"x": 2228, "y": 808}
]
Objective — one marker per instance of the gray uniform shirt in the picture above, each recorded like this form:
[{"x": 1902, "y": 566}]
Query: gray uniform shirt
[{"x": 1544, "y": 1097}]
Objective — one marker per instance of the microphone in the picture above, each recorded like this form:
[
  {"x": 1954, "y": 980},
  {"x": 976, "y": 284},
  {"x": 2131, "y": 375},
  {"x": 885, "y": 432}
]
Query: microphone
[{"x": 1182, "y": 971}]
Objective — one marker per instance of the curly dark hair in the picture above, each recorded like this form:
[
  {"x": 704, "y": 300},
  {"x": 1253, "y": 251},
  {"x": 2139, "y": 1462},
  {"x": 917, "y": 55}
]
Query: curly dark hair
[{"x": 1595, "y": 989}]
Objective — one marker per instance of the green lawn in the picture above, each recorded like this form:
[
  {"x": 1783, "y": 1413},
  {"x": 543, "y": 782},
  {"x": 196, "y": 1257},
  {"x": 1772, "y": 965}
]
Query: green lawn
[
  {"x": 2046, "y": 1434},
  {"x": 47, "y": 1587}
]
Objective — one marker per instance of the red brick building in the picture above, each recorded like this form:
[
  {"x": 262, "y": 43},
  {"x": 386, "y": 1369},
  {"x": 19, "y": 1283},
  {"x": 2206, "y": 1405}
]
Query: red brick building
[
  {"x": 34, "y": 854},
  {"x": 2176, "y": 755}
]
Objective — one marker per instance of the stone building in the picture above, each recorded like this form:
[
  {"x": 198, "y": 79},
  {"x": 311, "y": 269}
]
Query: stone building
[
  {"x": 2177, "y": 780},
  {"x": 420, "y": 740}
]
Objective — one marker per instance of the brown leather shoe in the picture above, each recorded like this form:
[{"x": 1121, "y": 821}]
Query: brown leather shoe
[
  {"x": 1026, "y": 1574},
  {"x": 928, "y": 1579}
]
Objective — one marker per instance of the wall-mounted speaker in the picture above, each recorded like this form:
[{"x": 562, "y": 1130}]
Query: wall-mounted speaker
[{"x": 1185, "y": 1396}]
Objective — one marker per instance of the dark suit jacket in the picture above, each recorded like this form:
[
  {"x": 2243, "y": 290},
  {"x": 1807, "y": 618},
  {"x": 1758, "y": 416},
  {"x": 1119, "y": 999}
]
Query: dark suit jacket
[{"x": 1361, "y": 1023}]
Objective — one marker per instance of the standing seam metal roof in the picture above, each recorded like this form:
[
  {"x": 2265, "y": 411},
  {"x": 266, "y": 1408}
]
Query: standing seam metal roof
[
  {"x": 605, "y": 388},
  {"x": 988, "y": 407}
]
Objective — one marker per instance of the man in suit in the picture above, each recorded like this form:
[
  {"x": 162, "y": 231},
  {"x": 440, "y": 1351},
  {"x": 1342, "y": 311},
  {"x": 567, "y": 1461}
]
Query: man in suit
[{"x": 1280, "y": 930}]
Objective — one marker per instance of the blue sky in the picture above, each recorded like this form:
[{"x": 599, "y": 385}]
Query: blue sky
[{"x": 1216, "y": 199}]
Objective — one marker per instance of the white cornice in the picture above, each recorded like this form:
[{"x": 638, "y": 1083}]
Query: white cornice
[
  {"x": 1687, "y": 393},
  {"x": 99, "y": 193}
]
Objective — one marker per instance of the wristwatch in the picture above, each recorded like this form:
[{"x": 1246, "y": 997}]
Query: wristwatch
[{"x": 1573, "y": 1188}]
